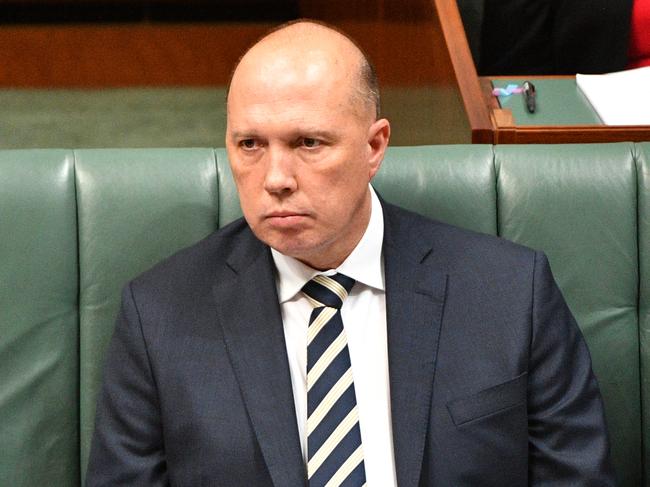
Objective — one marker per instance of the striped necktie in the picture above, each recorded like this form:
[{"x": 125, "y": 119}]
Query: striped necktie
[{"x": 335, "y": 456}]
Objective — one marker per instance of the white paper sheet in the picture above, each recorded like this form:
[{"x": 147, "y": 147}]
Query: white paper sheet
[{"x": 621, "y": 98}]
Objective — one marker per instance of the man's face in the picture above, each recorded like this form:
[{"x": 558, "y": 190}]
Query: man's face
[{"x": 302, "y": 153}]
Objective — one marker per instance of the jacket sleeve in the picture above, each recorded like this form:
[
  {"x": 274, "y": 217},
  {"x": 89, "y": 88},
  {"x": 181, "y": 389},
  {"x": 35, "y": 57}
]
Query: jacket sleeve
[
  {"x": 127, "y": 445},
  {"x": 568, "y": 441}
]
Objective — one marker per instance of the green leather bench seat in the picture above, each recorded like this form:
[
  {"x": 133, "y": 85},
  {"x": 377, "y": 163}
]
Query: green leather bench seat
[
  {"x": 76, "y": 225},
  {"x": 39, "y": 344},
  {"x": 580, "y": 207},
  {"x": 411, "y": 177},
  {"x": 135, "y": 208}
]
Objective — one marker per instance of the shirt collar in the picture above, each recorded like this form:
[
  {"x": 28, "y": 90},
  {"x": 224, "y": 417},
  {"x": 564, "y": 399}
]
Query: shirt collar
[{"x": 364, "y": 264}]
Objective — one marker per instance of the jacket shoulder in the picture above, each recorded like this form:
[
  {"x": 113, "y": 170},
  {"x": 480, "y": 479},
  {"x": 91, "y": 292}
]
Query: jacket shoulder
[
  {"x": 198, "y": 265},
  {"x": 453, "y": 248}
]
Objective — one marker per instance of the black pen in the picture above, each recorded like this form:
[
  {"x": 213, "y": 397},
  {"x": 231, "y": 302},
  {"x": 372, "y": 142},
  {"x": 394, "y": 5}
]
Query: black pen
[{"x": 529, "y": 96}]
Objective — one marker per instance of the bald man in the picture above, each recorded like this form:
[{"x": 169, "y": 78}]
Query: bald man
[{"x": 329, "y": 338}]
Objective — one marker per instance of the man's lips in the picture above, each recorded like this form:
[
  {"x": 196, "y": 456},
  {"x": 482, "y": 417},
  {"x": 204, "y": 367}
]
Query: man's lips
[{"x": 285, "y": 219}]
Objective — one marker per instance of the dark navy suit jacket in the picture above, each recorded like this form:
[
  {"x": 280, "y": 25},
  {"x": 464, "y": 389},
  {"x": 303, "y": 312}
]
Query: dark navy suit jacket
[{"x": 490, "y": 378}]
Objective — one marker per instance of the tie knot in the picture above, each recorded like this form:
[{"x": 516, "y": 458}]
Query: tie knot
[{"x": 328, "y": 291}]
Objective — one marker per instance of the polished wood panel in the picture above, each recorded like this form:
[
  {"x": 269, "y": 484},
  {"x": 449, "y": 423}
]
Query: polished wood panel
[
  {"x": 192, "y": 54},
  {"x": 101, "y": 56},
  {"x": 571, "y": 134},
  {"x": 465, "y": 72},
  {"x": 407, "y": 46}
]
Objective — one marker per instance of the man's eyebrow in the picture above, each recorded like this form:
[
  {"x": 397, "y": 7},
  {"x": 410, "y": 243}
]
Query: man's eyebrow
[
  {"x": 241, "y": 134},
  {"x": 315, "y": 133}
]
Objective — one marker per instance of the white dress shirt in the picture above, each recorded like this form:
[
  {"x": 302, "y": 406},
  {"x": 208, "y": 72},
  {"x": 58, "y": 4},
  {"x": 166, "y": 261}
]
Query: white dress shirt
[{"x": 364, "y": 320}]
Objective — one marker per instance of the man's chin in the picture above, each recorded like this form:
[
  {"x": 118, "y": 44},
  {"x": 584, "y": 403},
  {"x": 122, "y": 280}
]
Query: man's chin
[{"x": 298, "y": 250}]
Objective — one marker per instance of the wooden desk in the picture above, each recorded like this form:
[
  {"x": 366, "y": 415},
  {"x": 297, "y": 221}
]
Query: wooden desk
[{"x": 563, "y": 115}]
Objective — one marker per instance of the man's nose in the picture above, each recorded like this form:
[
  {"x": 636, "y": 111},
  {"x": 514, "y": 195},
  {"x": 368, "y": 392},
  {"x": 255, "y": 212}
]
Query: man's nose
[{"x": 280, "y": 172}]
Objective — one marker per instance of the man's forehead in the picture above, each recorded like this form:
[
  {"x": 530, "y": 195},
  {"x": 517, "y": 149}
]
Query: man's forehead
[
  {"x": 292, "y": 113},
  {"x": 288, "y": 87},
  {"x": 280, "y": 72},
  {"x": 291, "y": 66},
  {"x": 300, "y": 62}
]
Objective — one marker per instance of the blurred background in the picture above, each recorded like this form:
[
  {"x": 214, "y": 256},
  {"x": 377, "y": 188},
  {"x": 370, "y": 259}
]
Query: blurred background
[
  {"x": 152, "y": 73},
  {"x": 141, "y": 73}
]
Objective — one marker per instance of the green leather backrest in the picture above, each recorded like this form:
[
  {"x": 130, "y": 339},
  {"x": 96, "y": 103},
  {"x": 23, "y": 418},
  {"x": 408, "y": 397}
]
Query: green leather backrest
[
  {"x": 455, "y": 184},
  {"x": 643, "y": 175},
  {"x": 578, "y": 204},
  {"x": 136, "y": 207},
  {"x": 229, "y": 208},
  {"x": 76, "y": 225},
  {"x": 39, "y": 366}
]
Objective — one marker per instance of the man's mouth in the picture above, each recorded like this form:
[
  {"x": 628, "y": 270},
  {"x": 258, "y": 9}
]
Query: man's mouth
[{"x": 285, "y": 219}]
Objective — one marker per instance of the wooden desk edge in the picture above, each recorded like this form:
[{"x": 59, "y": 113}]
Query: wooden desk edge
[{"x": 506, "y": 131}]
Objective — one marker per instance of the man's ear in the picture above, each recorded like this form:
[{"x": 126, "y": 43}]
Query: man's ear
[{"x": 378, "y": 136}]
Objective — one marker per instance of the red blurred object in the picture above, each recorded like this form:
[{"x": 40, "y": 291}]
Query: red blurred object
[{"x": 639, "y": 53}]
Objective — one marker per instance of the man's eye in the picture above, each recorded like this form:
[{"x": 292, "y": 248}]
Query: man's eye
[
  {"x": 310, "y": 143},
  {"x": 248, "y": 144}
]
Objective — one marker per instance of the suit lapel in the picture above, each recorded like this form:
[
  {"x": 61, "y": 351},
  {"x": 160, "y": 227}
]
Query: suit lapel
[
  {"x": 415, "y": 296},
  {"x": 249, "y": 314}
]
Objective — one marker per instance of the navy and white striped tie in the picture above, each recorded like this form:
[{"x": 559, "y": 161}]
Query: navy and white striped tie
[{"x": 335, "y": 455}]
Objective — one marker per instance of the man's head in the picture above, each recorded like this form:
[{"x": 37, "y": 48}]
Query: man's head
[{"x": 304, "y": 141}]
